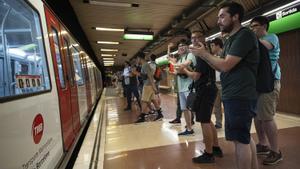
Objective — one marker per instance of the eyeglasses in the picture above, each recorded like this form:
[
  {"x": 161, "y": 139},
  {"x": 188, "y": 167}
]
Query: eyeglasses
[{"x": 254, "y": 25}]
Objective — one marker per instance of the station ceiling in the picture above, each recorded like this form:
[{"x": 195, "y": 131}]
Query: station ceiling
[{"x": 168, "y": 19}]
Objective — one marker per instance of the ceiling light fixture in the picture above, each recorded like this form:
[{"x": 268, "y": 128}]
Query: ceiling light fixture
[
  {"x": 108, "y": 42},
  {"x": 114, "y": 4},
  {"x": 109, "y": 50},
  {"x": 138, "y": 35},
  {"x": 107, "y": 55},
  {"x": 109, "y": 29},
  {"x": 107, "y": 59}
]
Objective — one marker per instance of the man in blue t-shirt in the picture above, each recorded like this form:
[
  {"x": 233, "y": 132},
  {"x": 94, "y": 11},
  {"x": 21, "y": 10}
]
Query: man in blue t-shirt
[
  {"x": 238, "y": 67},
  {"x": 265, "y": 124}
]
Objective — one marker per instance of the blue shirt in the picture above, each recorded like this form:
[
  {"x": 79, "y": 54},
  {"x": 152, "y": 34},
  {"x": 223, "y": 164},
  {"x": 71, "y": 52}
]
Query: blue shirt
[{"x": 274, "y": 53}]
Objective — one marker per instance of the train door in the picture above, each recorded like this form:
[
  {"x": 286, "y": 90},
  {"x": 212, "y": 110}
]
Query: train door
[
  {"x": 73, "y": 85},
  {"x": 62, "y": 83},
  {"x": 87, "y": 81}
]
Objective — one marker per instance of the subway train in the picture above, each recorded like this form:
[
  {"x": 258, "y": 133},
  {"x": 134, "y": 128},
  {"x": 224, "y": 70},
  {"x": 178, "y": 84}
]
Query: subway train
[{"x": 48, "y": 87}]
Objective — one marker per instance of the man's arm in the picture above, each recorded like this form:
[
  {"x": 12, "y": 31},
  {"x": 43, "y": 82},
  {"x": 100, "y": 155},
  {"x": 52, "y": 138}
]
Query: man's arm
[
  {"x": 223, "y": 65},
  {"x": 267, "y": 44},
  {"x": 193, "y": 75}
]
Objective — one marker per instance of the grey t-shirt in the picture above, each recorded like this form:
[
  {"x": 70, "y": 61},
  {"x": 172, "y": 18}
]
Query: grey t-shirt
[
  {"x": 240, "y": 81},
  {"x": 147, "y": 72}
]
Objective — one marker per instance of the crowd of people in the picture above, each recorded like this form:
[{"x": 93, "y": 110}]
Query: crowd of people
[{"x": 221, "y": 71}]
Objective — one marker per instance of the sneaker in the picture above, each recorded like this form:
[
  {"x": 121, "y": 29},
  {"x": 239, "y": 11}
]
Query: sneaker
[
  {"x": 140, "y": 119},
  {"x": 186, "y": 132},
  {"x": 273, "y": 158},
  {"x": 262, "y": 150},
  {"x": 204, "y": 158},
  {"x": 218, "y": 126},
  {"x": 217, "y": 151},
  {"x": 175, "y": 121},
  {"x": 159, "y": 117},
  {"x": 151, "y": 112}
]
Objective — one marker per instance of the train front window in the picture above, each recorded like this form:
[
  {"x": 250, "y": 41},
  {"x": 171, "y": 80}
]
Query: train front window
[{"x": 23, "y": 66}]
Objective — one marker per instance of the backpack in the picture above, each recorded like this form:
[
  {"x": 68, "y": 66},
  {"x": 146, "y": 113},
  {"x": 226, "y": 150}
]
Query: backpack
[
  {"x": 265, "y": 76},
  {"x": 157, "y": 74}
]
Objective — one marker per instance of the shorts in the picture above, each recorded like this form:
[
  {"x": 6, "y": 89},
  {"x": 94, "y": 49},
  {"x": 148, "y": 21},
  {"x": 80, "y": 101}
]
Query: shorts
[
  {"x": 238, "y": 119},
  {"x": 204, "y": 103},
  {"x": 147, "y": 94},
  {"x": 182, "y": 100},
  {"x": 267, "y": 103}
]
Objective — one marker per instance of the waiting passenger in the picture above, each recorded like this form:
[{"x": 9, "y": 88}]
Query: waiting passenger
[
  {"x": 149, "y": 90},
  {"x": 178, "y": 110},
  {"x": 239, "y": 58},
  {"x": 126, "y": 77},
  {"x": 186, "y": 59},
  {"x": 206, "y": 92},
  {"x": 216, "y": 46},
  {"x": 265, "y": 124}
]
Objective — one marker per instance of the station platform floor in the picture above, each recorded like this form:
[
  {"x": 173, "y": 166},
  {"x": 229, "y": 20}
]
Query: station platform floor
[{"x": 156, "y": 145}]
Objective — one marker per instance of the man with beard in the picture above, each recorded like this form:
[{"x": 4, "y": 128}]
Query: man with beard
[{"x": 238, "y": 66}]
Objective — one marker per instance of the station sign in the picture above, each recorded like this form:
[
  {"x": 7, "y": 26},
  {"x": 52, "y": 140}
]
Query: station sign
[
  {"x": 284, "y": 13},
  {"x": 290, "y": 11}
]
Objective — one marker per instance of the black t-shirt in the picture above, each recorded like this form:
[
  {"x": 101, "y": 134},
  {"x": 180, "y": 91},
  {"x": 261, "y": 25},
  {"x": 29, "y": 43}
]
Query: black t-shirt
[
  {"x": 133, "y": 78},
  {"x": 240, "y": 81},
  {"x": 207, "y": 73},
  {"x": 138, "y": 69}
]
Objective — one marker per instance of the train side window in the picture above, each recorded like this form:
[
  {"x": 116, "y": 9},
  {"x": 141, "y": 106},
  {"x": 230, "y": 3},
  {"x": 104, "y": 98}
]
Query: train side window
[
  {"x": 68, "y": 60},
  {"x": 23, "y": 65},
  {"x": 79, "y": 77},
  {"x": 58, "y": 58}
]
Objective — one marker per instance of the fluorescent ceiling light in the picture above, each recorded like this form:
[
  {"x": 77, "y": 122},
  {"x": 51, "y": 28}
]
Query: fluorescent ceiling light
[
  {"x": 108, "y": 42},
  {"x": 109, "y": 50},
  {"x": 213, "y": 36},
  {"x": 107, "y": 59},
  {"x": 109, "y": 29},
  {"x": 116, "y": 4},
  {"x": 107, "y": 55},
  {"x": 136, "y": 35}
]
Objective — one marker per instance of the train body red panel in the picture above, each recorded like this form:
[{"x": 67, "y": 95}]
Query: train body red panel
[{"x": 49, "y": 86}]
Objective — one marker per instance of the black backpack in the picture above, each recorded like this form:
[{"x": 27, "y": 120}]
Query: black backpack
[{"x": 265, "y": 76}]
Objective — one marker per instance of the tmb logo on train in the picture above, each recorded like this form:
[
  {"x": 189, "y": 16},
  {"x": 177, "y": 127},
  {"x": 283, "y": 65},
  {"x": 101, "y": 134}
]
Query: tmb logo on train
[{"x": 37, "y": 128}]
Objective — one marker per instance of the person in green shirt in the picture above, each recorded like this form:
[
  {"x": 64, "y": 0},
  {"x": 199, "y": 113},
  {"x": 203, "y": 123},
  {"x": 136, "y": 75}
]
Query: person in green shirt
[{"x": 238, "y": 67}]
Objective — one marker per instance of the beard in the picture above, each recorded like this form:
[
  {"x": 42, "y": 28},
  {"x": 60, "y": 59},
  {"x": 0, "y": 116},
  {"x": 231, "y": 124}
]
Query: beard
[{"x": 227, "y": 29}]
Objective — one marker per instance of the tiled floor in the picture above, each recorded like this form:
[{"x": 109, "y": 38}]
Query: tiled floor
[{"x": 155, "y": 145}]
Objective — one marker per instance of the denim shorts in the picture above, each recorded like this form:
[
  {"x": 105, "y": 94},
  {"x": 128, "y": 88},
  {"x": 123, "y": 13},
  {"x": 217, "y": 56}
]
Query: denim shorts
[
  {"x": 183, "y": 99},
  {"x": 238, "y": 119}
]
